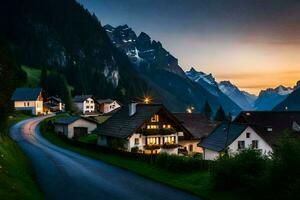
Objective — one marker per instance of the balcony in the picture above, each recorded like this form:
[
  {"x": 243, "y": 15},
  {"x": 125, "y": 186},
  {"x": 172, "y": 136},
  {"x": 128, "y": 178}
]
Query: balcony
[{"x": 161, "y": 131}]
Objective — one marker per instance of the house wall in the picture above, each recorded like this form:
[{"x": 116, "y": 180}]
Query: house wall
[
  {"x": 36, "y": 107},
  {"x": 187, "y": 143},
  {"x": 102, "y": 140},
  {"x": 68, "y": 130},
  {"x": 108, "y": 107},
  {"x": 262, "y": 145},
  {"x": 210, "y": 154},
  {"x": 88, "y": 105}
]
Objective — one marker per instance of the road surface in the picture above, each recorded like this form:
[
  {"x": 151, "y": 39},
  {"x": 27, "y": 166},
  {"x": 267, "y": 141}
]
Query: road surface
[{"x": 63, "y": 174}]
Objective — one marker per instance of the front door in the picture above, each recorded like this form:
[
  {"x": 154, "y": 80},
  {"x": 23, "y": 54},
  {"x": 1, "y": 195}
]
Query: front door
[{"x": 80, "y": 131}]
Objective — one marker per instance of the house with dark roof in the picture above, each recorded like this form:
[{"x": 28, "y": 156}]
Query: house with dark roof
[
  {"x": 74, "y": 126},
  {"x": 233, "y": 137},
  {"x": 144, "y": 128},
  {"x": 54, "y": 104},
  {"x": 86, "y": 104},
  {"x": 28, "y": 99},
  {"x": 106, "y": 106},
  {"x": 199, "y": 126}
]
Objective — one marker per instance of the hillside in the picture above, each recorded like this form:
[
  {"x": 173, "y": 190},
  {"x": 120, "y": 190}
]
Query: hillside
[
  {"x": 290, "y": 103},
  {"x": 64, "y": 37}
]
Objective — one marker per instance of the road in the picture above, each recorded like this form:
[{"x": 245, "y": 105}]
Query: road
[{"x": 64, "y": 174}]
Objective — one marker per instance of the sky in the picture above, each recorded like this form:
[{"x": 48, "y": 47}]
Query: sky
[{"x": 253, "y": 43}]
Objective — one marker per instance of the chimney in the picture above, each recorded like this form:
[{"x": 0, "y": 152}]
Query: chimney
[{"x": 132, "y": 108}]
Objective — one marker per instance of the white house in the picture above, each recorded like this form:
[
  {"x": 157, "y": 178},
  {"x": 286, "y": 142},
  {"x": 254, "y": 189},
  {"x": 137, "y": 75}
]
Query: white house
[
  {"x": 86, "y": 104},
  {"x": 74, "y": 126},
  {"x": 28, "y": 99},
  {"x": 143, "y": 128},
  {"x": 233, "y": 138},
  {"x": 108, "y": 105}
]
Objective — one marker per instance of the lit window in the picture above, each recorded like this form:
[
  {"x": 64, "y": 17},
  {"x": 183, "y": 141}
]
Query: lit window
[
  {"x": 241, "y": 144},
  {"x": 155, "y": 118},
  {"x": 247, "y": 135},
  {"x": 254, "y": 144},
  {"x": 166, "y": 126},
  {"x": 136, "y": 141},
  {"x": 169, "y": 140},
  {"x": 152, "y": 126},
  {"x": 152, "y": 140}
]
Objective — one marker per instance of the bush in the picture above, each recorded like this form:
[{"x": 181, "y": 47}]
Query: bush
[
  {"x": 134, "y": 150},
  {"x": 283, "y": 178},
  {"x": 241, "y": 172},
  {"x": 180, "y": 163}
]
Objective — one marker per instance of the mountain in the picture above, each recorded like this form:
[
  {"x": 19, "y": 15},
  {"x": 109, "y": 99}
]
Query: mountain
[
  {"x": 241, "y": 98},
  {"x": 160, "y": 69},
  {"x": 66, "y": 38},
  {"x": 270, "y": 97},
  {"x": 291, "y": 102}
]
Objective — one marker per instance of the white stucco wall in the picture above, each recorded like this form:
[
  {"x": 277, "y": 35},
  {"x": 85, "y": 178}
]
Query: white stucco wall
[
  {"x": 210, "y": 154},
  {"x": 89, "y": 105},
  {"x": 36, "y": 107},
  {"x": 262, "y": 145},
  {"x": 193, "y": 143}
]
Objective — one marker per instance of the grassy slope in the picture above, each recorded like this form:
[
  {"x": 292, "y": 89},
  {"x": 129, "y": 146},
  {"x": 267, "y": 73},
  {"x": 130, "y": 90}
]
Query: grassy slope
[
  {"x": 197, "y": 183},
  {"x": 16, "y": 175},
  {"x": 33, "y": 76}
]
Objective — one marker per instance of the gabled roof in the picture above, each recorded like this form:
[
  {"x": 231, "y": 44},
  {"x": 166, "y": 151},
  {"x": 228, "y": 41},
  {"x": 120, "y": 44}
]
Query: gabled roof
[
  {"x": 82, "y": 98},
  {"x": 26, "y": 94},
  {"x": 57, "y": 99},
  {"x": 100, "y": 101},
  {"x": 222, "y": 136},
  {"x": 270, "y": 125},
  {"x": 121, "y": 125},
  {"x": 196, "y": 123},
  {"x": 71, "y": 119}
]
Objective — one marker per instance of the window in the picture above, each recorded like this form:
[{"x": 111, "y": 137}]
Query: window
[
  {"x": 87, "y": 101},
  {"x": 87, "y": 107},
  {"x": 254, "y": 144},
  {"x": 155, "y": 118},
  {"x": 169, "y": 140},
  {"x": 247, "y": 135},
  {"x": 25, "y": 104},
  {"x": 153, "y": 140},
  {"x": 136, "y": 141},
  {"x": 241, "y": 144},
  {"x": 166, "y": 126},
  {"x": 152, "y": 126},
  {"x": 190, "y": 147},
  {"x": 91, "y": 101}
]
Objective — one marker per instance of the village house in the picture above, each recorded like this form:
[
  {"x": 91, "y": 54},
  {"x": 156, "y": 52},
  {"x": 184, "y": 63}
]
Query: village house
[
  {"x": 259, "y": 130},
  {"x": 199, "y": 126},
  {"x": 30, "y": 99},
  {"x": 74, "y": 127},
  {"x": 53, "y": 104},
  {"x": 86, "y": 104},
  {"x": 106, "y": 106},
  {"x": 233, "y": 138},
  {"x": 144, "y": 128}
]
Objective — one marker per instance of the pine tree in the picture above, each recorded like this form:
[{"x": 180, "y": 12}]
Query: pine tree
[
  {"x": 220, "y": 115},
  {"x": 207, "y": 110}
]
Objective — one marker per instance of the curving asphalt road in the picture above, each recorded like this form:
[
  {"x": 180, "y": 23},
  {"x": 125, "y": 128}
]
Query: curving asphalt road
[{"x": 63, "y": 174}]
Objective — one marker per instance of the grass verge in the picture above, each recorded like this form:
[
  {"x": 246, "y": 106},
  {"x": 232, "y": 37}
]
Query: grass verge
[
  {"x": 17, "y": 178},
  {"x": 197, "y": 182}
]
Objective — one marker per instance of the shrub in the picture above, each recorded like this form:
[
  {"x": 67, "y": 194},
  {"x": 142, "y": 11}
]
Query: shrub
[
  {"x": 134, "y": 150},
  {"x": 180, "y": 163},
  {"x": 242, "y": 172},
  {"x": 283, "y": 178}
]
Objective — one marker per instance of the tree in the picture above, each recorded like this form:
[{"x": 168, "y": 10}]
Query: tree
[
  {"x": 220, "y": 115},
  {"x": 207, "y": 110}
]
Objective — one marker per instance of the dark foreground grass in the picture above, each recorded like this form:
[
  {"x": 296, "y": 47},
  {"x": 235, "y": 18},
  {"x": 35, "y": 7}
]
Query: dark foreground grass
[
  {"x": 197, "y": 182},
  {"x": 17, "y": 180}
]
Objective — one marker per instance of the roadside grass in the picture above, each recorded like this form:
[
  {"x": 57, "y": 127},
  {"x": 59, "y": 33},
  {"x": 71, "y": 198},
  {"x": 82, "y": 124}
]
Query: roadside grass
[
  {"x": 17, "y": 179},
  {"x": 33, "y": 76},
  {"x": 196, "y": 182},
  {"x": 91, "y": 138}
]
